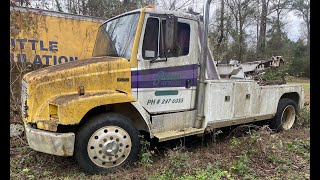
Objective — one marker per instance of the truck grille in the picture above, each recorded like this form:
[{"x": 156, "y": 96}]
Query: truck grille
[{"x": 24, "y": 97}]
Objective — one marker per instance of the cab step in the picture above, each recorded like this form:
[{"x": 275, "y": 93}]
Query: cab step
[{"x": 174, "y": 134}]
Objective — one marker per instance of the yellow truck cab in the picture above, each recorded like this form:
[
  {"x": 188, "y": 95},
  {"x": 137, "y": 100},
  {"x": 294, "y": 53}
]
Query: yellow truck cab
[{"x": 151, "y": 71}]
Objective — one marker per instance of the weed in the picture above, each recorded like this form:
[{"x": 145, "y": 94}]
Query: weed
[
  {"x": 186, "y": 177},
  {"x": 178, "y": 163},
  {"x": 300, "y": 147},
  {"x": 25, "y": 170},
  {"x": 235, "y": 142},
  {"x": 273, "y": 158},
  {"x": 178, "y": 159},
  {"x": 275, "y": 73},
  {"x": 145, "y": 154},
  {"x": 298, "y": 175},
  {"x": 284, "y": 158},
  {"x": 304, "y": 117},
  {"x": 27, "y": 173},
  {"x": 254, "y": 136},
  {"x": 240, "y": 166},
  {"x": 212, "y": 172},
  {"x": 284, "y": 168},
  {"x": 249, "y": 143},
  {"x": 164, "y": 175}
]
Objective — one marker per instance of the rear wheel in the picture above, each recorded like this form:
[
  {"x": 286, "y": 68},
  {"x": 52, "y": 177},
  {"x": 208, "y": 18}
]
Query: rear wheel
[
  {"x": 106, "y": 142},
  {"x": 285, "y": 116}
]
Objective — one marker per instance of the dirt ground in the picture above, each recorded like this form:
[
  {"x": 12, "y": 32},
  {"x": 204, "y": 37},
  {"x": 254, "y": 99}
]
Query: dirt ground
[{"x": 250, "y": 151}]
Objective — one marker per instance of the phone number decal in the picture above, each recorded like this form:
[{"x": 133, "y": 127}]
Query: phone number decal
[{"x": 164, "y": 101}]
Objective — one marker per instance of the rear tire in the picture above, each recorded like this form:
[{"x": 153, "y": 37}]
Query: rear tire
[
  {"x": 285, "y": 116},
  {"x": 106, "y": 142}
]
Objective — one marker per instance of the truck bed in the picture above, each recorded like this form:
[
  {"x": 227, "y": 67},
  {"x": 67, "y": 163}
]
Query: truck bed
[{"x": 230, "y": 102}]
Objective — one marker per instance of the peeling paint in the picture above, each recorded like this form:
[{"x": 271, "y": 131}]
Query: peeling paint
[{"x": 59, "y": 85}]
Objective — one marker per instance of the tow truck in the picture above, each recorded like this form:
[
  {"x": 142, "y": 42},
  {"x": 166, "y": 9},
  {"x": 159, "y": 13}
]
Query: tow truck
[{"x": 151, "y": 71}]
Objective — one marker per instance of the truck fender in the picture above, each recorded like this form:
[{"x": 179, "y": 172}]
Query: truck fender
[
  {"x": 71, "y": 108},
  {"x": 144, "y": 114}
]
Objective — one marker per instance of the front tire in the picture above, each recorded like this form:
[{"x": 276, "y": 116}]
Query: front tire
[
  {"x": 106, "y": 142},
  {"x": 285, "y": 116}
]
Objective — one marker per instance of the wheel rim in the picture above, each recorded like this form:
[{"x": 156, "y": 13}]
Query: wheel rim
[
  {"x": 109, "y": 146},
  {"x": 288, "y": 117}
]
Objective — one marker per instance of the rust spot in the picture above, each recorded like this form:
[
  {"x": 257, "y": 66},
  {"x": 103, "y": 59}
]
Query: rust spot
[
  {"x": 64, "y": 151},
  {"x": 47, "y": 125},
  {"x": 66, "y": 98}
]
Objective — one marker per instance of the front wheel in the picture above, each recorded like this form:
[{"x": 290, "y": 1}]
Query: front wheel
[
  {"x": 285, "y": 116},
  {"x": 106, "y": 142}
]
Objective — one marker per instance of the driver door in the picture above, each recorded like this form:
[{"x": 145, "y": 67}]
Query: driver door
[{"x": 166, "y": 83}]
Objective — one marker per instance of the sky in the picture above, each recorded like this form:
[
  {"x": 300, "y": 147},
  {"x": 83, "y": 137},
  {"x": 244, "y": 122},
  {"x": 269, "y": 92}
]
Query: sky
[{"x": 292, "y": 27}]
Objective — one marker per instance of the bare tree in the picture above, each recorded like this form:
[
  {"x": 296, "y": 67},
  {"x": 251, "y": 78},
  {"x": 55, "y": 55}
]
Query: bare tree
[
  {"x": 242, "y": 11},
  {"x": 150, "y": 2},
  {"x": 278, "y": 7},
  {"x": 277, "y": 35},
  {"x": 174, "y": 4},
  {"x": 261, "y": 44},
  {"x": 221, "y": 26},
  {"x": 19, "y": 3},
  {"x": 58, "y": 5}
]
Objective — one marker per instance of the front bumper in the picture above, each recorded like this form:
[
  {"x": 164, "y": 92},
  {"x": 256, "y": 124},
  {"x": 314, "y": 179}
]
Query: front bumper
[{"x": 61, "y": 144}]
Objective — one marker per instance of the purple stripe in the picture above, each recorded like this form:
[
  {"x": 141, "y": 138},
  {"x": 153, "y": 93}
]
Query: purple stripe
[
  {"x": 165, "y": 77},
  {"x": 166, "y": 69},
  {"x": 152, "y": 84},
  {"x": 187, "y": 74}
]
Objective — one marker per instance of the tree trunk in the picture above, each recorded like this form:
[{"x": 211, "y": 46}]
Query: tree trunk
[
  {"x": 240, "y": 33},
  {"x": 240, "y": 43},
  {"x": 220, "y": 40},
  {"x": 307, "y": 20},
  {"x": 308, "y": 33},
  {"x": 84, "y": 7},
  {"x": 263, "y": 28},
  {"x": 58, "y": 6}
]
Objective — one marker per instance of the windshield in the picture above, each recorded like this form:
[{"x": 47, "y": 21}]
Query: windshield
[{"x": 115, "y": 38}]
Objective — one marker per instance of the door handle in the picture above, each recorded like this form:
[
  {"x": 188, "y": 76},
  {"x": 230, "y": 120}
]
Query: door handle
[{"x": 188, "y": 83}]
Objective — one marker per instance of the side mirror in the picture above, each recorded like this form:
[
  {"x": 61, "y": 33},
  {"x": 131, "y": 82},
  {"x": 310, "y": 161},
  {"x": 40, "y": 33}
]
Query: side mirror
[{"x": 171, "y": 34}]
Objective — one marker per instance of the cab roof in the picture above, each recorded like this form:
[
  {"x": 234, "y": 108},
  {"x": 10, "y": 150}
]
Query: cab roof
[
  {"x": 157, "y": 10},
  {"x": 176, "y": 13}
]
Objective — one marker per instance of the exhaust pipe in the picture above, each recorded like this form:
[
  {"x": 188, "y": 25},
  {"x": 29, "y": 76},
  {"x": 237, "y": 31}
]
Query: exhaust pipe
[{"x": 203, "y": 65}]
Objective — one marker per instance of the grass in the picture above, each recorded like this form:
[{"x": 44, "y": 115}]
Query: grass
[
  {"x": 258, "y": 154},
  {"x": 296, "y": 81},
  {"x": 306, "y": 85}
]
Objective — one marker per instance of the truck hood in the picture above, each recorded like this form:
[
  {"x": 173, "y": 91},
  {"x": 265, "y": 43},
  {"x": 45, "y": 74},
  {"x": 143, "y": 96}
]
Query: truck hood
[{"x": 97, "y": 74}]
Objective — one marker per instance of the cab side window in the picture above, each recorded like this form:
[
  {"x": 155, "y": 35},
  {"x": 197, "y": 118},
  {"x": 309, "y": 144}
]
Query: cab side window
[
  {"x": 150, "y": 47},
  {"x": 183, "y": 39},
  {"x": 154, "y": 37}
]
